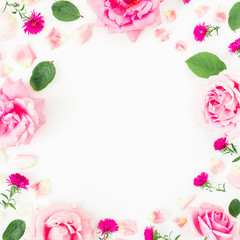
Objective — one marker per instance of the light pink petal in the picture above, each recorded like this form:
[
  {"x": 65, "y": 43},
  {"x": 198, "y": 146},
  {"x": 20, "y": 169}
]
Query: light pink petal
[
  {"x": 162, "y": 35},
  {"x": 220, "y": 15},
  {"x": 41, "y": 188},
  {"x": 3, "y": 157},
  {"x": 184, "y": 201},
  {"x": 170, "y": 15},
  {"x": 180, "y": 221},
  {"x": 24, "y": 55},
  {"x": 29, "y": 2},
  {"x": 23, "y": 161},
  {"x": 181, "y": 46},
  {"x": 5, "y": 70},
  {"x": 234, "y": 176},
  {"x": 133, "y": 35},
  {"x": 127, "y": 227},
  {"x": 158, "y": 216},
  {"x": 201, "y": 10},
  {"x": 55, "y": 38},
  {"x": 216, "y": 165},
  {"x": 83, "y": 33}
]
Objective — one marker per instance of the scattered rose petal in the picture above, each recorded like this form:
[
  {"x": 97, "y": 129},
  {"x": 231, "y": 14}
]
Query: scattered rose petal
[
  {"x": 161, "y": 34},
  {"x": 83, "y": 33},
  {"x": 24, "y": 55},
  {"x": 41, "y": 188},
  {"x": 184, "y": 201},
  {"x": 8, "y": 25},
  {"x": 201, "y": 10},
  {"x": 234, "y": 177},
  {"x": 24, "y": 209},
  {"x": 29, "y": 2},
  {"x": 3, "y": 157},
  {"x": 181, "y": 46},
  {"x": 158, "y": 216},
  {"x": 5, "y": 70},
  {"x": 23, "y": 161},
  {"x": 220, "y": 15},
  {"x": 170, "y": 15},
  {"x": 127, "y": 227},
  {"x": 55, "y": 38},
  {"x": 180, "y": 221},
  {"x": 216, "y": 165}
]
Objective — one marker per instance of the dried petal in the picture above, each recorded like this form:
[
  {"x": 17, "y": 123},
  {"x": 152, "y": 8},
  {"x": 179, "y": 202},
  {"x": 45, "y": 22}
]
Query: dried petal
[
  {"x": 5, "y": 70},
  {"x": 161, "y": 34},
  {"x": 170, "y": 15},
  {"x": 3, "y": 157},
  {"x": 24, "y": 55},
  {"x": 41, "y": 188},
  {"x": 127, "y": 227},
  {"x": 29, "y": 2},
  {"x": 83, "y": 33},
  {"x": 55, "y": 38},
  {"x": 158, "y": 216},
  {"x": 201, "y": 10},
  {"x": 234, "y": 177},
  {"x": 23, "y": 161},
  {"x": 181, "y": 46},
  {"x": 184, "y": 201},
  {"x": 220, "y": 15},
  {"x": 24, "y": 209},
  {"x": 216, "y": 165},
  {"x": 180, "y": 221}
]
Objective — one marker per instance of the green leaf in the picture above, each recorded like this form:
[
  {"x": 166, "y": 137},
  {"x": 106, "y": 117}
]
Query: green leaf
[
  {"x": 234, "y": 207},
  {"x": 234, "y": 149},
  {"x": 11, "y": 205},
  {"x": 234, "y": 17},
  {"x": 65, "y": 11},
  {"x": 4, "y": 195},
  {"x": 177, "y": 237},
  {"x": 205, "y": 64},
  {"x": 42, "y": 75},
  {"x": 15, "y": 230},
  {"x": 236, "y": 159}
]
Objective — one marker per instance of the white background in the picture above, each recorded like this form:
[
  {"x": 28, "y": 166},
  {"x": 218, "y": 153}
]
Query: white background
[{"x": 122, "y": 137}]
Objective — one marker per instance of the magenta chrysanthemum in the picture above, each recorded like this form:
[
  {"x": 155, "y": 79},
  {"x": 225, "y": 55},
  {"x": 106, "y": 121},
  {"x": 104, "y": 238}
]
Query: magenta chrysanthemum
[
  {"x": 201, "y": 179},
  {"x": 186, "y": 1},
  {"x": 235, "y": 46},
  {"x": 200, "y": 32},
  {"x": 108, "y": 225},
  {"x": 18, "y": 180},
  {"x": 148, "y": 233},
  {"x": 220, "y": 144},
  {"x": 34, "y": 23}
]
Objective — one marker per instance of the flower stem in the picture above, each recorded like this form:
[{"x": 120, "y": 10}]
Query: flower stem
[
  {"x": 17, "y": 8},
  {"x": 205, "y": 238},
  {"x": 209, "y": 187}
]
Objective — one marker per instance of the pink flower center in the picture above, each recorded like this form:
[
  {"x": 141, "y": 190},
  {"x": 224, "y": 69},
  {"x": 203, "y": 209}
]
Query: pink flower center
[{"x": 119, "y": 5}]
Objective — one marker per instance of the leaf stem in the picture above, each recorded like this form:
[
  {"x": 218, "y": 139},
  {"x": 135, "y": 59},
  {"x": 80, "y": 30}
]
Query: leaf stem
[{"x": 17, "y": 8}]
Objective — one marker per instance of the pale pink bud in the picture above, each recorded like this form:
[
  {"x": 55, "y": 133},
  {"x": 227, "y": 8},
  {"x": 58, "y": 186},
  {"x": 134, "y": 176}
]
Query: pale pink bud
[
  {"x": 181, "y": 46},
  {"x": 170, "y": 15},
  {"x": 162, "y": 35},
  {"x": 180, "y": 221},
  {"x": 5, "y": 70},
  {"x": 83, "y": 33},
  {"x": 158, "y": 216},
  {"x": 41, "y": 188},
  {"x": 55, "y": 38},
  {"x": 216, "y": 165},
  {"x": 220, "y": 15},
  {"x": 201, "y": 10},
  {"x": 234, "y": 177},
  {"x": 127, "y": 227},
  {"x": 24, "y": 55},
  {"x": 184, "y": 201},
  {"x": 23, "y": 161},
  {"x": 3, "y": 157}
]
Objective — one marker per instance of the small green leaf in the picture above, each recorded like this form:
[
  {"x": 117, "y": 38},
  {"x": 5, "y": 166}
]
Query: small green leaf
[
  {"x": 15, "y": 230},
  {"x": 234, "y": 149},
  {"x": 234, "y": 17},
  {"x": 11, "y": 205},
  {"x": 4, "y": 195},
  {"x": 234, "y": 207},
  {"x": 236, "y": 159},
  {"x": 205, "y": 64},
  {"x": 177, "y": 237},
  {"x": 42, "y": 75},
  {"x": 65, "y": 11}
]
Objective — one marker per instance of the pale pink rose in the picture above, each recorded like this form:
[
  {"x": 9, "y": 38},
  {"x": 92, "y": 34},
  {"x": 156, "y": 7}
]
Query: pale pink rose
[
  {"x": 8, "y": 25},
  {"x": 170, "y": 15},
  {"x": 127, "y": 16},
  {"x": 21, "y": 116},
  {"x": 220, "y": 15},
  {"x": 41, "y": 188},
  {"x": 234, "y": 177},
  {"x": 66, "y": 222},
  {"x": 83, "y": 33},
  {"x": 127, "y": 227},
  {"x": 180, "y": 46},
  {"x": 29, "y": 2},
  {"x": 216, "y": 165},
  {"x": 24, "y": 55},
  {"x": 210, "y": 221},
  {"x": 220, "y": 104},
  {"x": 184, "y": 201},
  {"x": 201, "y": 10},
  {"x": 5, "y": 70},
  {"x": 55, "y": 38},
  {"x": 162, "y": 35},
  {"x": 180, "y": 221},
  {"x": 158, "y": 216}
]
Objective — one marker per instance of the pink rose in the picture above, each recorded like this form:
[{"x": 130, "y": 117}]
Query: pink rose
[
  {"x": 66, "y": 222},
  {"x": 221, "y": 103},
  {"x": 20, "y": 115},
  {"x": 210, "y": 221},
  {"x": 127, "y": 16}
]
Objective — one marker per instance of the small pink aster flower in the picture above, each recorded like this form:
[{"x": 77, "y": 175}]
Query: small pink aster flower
[
  {"x": 200, "y": 32},
  {"x": 234, "y": 47},
  {"x": 108, "y": 226},
  {"x": 18, "y": 180},
  {"x": 148, "y": 233},
  {"x": 220, "y": 144},
  {"x": 34, "y": 24},
  {"x": 201, "y": 179},
  {"x": 186, "y": 1}
]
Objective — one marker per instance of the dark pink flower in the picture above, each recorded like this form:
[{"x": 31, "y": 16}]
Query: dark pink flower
[
  {"x": 186, "y": 1},
  {"x": 220, "y": 144},
  {"x": 148, "y": 233},
  {"x": 201, "y": 179},
  {"x": 34, "y": 24},
  {"x": 108, "y": 225},
  {"x": 235, "y": 46},
  {"x": 18, "y": 180},
  {"x": 200, "y": 32}
]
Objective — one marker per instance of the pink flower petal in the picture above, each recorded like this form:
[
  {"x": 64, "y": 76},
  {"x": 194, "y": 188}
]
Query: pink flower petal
[
  {"x": 220, "y": 15},
  {"x": 29, "y": 2},
  {"x": 5, "y": 70},
  {"x": 41, "y": 188},
  {"x": 181, "y": 46},
  {"x": 180, "y": 221},
  {"x": 127, "y": 227},
  {"x": 162, "y": 34},
  {"x": 3, "y": 157},
  {"x": 234, "y": 177},
  {"x": 184, "y": 201},
  {"x": 55, "y": 38},
  {"x": 24, "y": 55},
  {"x": 170, "y": 15},
  {"x": 23, "y": 161},
  {"x": 83, "y": 33},
  {"x": 158, "y": 216},
  {"x": 216, "y": 165},
  {"x": 201, "y": 10}
]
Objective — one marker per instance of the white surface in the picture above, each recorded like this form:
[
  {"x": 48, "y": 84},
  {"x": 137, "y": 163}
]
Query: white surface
[{"x": 121, "y": 136}]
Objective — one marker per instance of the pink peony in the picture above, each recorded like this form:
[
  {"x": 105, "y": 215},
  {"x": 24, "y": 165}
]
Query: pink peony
[
  {"x": 67, "y": 222},
  {"x": 221, "y": 103},
  {"x": 127, "y": 16},
  {"x": 211, "y": 222},
  {"x": 20, "y": 115}
]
